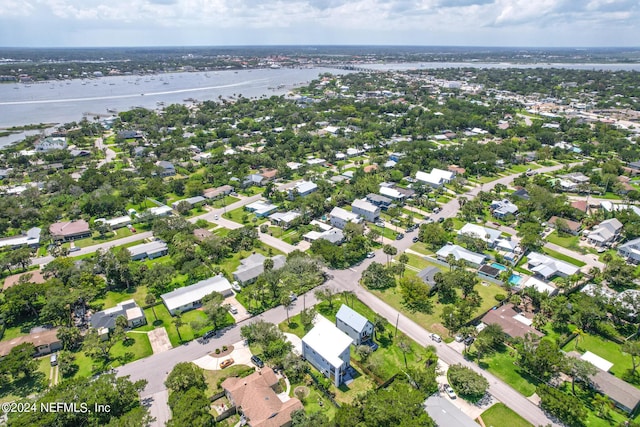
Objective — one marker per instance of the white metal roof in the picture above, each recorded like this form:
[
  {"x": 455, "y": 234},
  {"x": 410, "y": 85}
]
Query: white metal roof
[
  {"x": 188, "y": 294},
  {"x": 597, "y": 361},
  {"x": 352, "y": 318},
  {"x": 328, "y": 341}
]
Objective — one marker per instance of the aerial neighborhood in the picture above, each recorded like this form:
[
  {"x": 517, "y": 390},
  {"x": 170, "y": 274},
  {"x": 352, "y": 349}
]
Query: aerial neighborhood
[{"x": 429, "y": 237}]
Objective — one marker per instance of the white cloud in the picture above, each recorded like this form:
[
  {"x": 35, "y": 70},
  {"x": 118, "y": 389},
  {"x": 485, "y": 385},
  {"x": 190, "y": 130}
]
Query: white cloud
[{"x": 470, "y": 22}]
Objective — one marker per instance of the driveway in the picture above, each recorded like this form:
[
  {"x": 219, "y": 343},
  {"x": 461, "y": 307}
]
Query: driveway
[
  {"x": 242, "y": 312},
  {"x": 241, "y": 355}
]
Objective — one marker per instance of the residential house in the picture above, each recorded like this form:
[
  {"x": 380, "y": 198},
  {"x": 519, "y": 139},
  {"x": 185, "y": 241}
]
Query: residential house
[
  {"x": 268, "y": 175},
  {"x": 380, "y": 201},
  {"x": 316, "y": 162},
  {"x": 301, "y": 189},
  {"x": 446, "y": 414},
  {"x": 339, "y": 217},
  {"x": 459, "y": 253},
  {"x": 191, "y": 202},
  {"x": 333, "y": 235},
  {"x": 624, "y": 396},
  {"x": 487, "y": 235},
  {"x": 521, "y": 193},
  {"x": 283, "y": 219},
  {"x": 513, "y": 324},
  {"x": 327, "y": 348},
  {"x": 576, "y": 177},
  {"x": 190, "y": 297},
  {"x": 69, "y": 230},
  {"x": 428, "y": 276},
  {"x": 165, "y": 168},
  {"x": 253, "y": 266},
  {"x": 51, "y": 143},
  {"x": 457, "y": 170},
  {"x": 130, "y": 134},
  {"x": 261, "y": 208},
  {"x": 547, "y": 267},
  {"x": 159, "y": 211},
  {"x": 489, "y": 271},
  {"x": 117, "y": 222},
  {"x": 391, "y": 192},
  {"x": 572, "y": 227},
  {"x": 502, "y": 208},
  {"x": 580, "y": 205},
  {"x": 45, "y": 342},
  {"x": 540, "y": 286},
  {"x": 366, "y": 210},
  {"x": 105, "y": 320},
  {"x": 605, "y": 233},
  {"x": 630, "y": 251},
  {"x": 218, "y": 192},
  {"x": 31, "y": 239},
  {"x": 150, "y": 250},
  {"x": 352, "y": 323},
  {"x": 255, "y": 399},
  {"x": 436, "y": 178}
]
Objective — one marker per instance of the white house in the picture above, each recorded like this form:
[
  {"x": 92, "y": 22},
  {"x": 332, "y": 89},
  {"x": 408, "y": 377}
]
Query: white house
[
  {"x": 630, "y": 251},
  {"x": 436, "y": 178},
  {"x": 31, "y": 238},
  {"x": 354, "y": 324},
  {"x": 546, "y": 266},
  {"x": 488, "y": 235},
  {"x": 605, "y": 233},
  {"x": 117, "y": 222},
  {"x": 459, "y": 253},
  {"x": 340, "y": 217},
  {"x": 501, "y": 208},
  {"x": 190, "y": 297},
  {"x": 392, "y": 193},
  {"x": 302, "y": 188},
  {"x": 333, "y": 235},
  {"x": 149, "y": 250},
  {"x": 253, "y": 266},
  {"x": 327, "y": 348},
  {"x": 365, "y": 209},
  {"x": 283, "y": 219}
]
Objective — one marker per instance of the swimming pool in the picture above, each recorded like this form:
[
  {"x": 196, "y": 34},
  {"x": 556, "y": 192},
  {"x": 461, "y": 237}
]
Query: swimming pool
[
  {"x": 498, "y": 266},
  {"x": 515, "y": 279}
]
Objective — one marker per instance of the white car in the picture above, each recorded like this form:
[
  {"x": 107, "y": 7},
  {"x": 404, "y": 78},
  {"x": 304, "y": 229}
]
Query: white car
[
  {"x": 436, "y": 338},
  {"x": 450, "y": 392},
  {"x": 216, "y": 217},
  {"x": 236, "y": 286},
  {"x": 233, "y": 309}
]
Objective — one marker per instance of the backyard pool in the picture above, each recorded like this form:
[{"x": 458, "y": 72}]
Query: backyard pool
[
  {"x": 515, "y": 279},
  {"x": 499, "y": 266}
]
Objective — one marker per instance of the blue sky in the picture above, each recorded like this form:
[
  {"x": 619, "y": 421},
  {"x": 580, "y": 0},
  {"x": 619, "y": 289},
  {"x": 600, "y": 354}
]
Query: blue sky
[{"x": 61, "y": 23}]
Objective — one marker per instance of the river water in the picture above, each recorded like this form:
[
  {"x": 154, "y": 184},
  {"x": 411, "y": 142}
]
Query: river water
[{"x": 67, "y": 101}]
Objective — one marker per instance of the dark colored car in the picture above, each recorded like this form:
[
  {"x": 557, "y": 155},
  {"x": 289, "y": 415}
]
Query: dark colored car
[
  {"x": 399, "y": 236},
  {"x": 415, "y": 239},
  {"x": 468, "y": 341},
  {"x": 209, "y": 334},
  {"x": 257, "y": 361}
]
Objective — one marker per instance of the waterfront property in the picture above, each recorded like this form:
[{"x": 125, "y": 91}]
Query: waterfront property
[
  {"x": 327, "y": 348},
  {"x": 190, "y": 297}
]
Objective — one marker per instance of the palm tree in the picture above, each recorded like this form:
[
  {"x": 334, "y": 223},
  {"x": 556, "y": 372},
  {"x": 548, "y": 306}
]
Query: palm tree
[
  {"x": 389, "y": 251},
  {"x": 177, "y": 321},
  {"x": 150, "y": 299},
  {"x": 286, "y": 303},
  {"x": 579, "y": 336}
]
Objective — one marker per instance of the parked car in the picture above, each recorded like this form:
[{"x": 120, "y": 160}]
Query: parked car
[
  {"x": 371, "y": 254},
  {"x": 437, "y": 209},
  {"x": 233, "y": 309},
  {"x": 450, "y": 392},
  {"x": 216, "y": 217},
  {"x": 236, "y": 286},
  {"x": 226, "y": 363},
  {"x": 209, "y": 334},
  {"x": 399, "y": 236},
  {"x": 459, "y": 338},
  {"x": 441, "y": 220},
  {"x": 468, "y": 341},
  {"x": 379, "y": 223},
  {"x": 54, "y": 359},
  {"x": 293, "y": 296},
  {"x": 436, "y": 338},
  {"x": 257, "y": 361},
  {"x": 415, "y": 239}
]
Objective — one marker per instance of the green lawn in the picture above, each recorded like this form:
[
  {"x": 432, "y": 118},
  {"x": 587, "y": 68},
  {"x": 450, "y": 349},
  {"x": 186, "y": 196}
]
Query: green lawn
[
  {"x": 384, "y": 231},
  {"x": 186, "y": 331},
  {"x": 215, "y": 378},
  {"x": 498, "y": 414},
  {"x": 563, "y": 257},
  {"x": 96, "y": 239},
  {"x": 136, "y": 347},
  {"x": 566, "y": 241},
  {"x": 222, "y": 202},
  {"x": 236, "y": 215},
  {"x": 422, "y": 248},
  {"x": 502, "y": 366},
  {"x": 432, "y": 322},
  {"x": 112, "y": 298},
  {"x": 604, "y": 348},
  {"x": 311, "y": 402}
]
